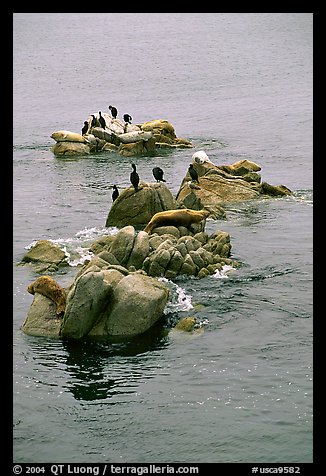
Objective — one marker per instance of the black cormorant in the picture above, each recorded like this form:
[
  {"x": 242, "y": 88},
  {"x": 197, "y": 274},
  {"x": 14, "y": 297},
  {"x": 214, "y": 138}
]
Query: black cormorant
[
  {"x": 93, "y": 121},
  {"x": 85, "y": 128},
  {"x": 193, "y": 173},
  {"x": 115, "y": 193},
  {"x": 102, "y": 120},
  {"x": 158, "y": 174},
  {"x": 127, "y": 118},
  {"x": 114, "y": 111},
  {"x": 134, "y": 177}
]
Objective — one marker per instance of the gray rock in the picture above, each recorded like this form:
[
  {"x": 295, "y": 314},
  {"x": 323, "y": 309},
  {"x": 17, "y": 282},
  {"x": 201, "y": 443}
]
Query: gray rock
[
  {"x": 140, "y": 250},
  {"x": 46, "y": 252},
  {"x": 42, "y": 320},
  {"x": 188, "y": 267},
  {"x": 176, "y": 262},
  {"x": 89, "y": 297},
  {"x": 123, "y": 244},
  {"x": 167, "y": 230},
  {"x": 139, "y": 302},
  {"x": 137, "y": 208}
]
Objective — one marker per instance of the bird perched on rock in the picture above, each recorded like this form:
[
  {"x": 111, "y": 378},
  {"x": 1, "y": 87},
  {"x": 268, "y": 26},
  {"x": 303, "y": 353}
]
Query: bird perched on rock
[
  {"x": 158, "y": 174},
  {"x": 114, "y": 111},
  {"x": 134, "y": 177},
  {"x": 93, "y": 124},
  {"x": 102, "y": 120},
  {"x": 115, "y": 193},
  {"x": 193, "y": 174},
  {"x": 127, "y": 118},
  {"x": 85, "y": 128}
]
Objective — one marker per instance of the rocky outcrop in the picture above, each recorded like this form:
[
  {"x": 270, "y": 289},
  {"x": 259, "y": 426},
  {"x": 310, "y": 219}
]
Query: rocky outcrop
[
  {"x": 126, "y": 139},
  {"x": 219, "y": 184},
  {"x": 103, "y": 301},
  {"x": 116, "y": 293},
  {"x": 137, "y": 208},
  {"x": 164, "y": 134},
  {"x": 168, "y": 252}
]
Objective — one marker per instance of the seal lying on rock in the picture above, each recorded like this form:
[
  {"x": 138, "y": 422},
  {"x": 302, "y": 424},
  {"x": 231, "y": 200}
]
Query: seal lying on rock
[
  {"x": 49, "y": 288},
  {"x": 181, "y": 217}
]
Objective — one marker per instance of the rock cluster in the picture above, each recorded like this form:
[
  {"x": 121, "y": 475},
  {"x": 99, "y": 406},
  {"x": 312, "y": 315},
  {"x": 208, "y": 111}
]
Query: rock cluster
[
  {"x": 103, "y": 301},
  {"x": 168, "y": 252},
  {"x": 126, "y": 139},
  {"x": 219, "y": 184}
]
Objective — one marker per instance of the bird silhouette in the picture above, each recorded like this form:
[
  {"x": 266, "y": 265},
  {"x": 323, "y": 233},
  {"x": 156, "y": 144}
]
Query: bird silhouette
[
  {"x": 134, "y": 177},
  {"x": 114, "y": 111},
  {"x": 127, "y": 118},
  {"x": 115, "y": 193},
  {"x": 102, "y": 120},
  {"x": 193, "y": 174},
  {"x": 93, "y": 121},
  {"x": 158, "y": 174},
  {"x": 85, "y": 128}
]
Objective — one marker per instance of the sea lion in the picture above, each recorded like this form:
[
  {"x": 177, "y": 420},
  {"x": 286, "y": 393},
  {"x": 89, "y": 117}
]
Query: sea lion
[
  {"x": 49, "y": 288},
  {"x": 181, "y": 217},
  {"x": 67, "y": 136}
]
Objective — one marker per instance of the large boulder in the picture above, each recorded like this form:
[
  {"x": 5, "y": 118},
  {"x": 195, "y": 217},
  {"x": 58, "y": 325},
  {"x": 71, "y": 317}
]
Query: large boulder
[
  {"x": 90, "y": 296},
  {"x": 215, "y": 186},
  {"x": 138, "y": 303},
  {"x": 139, "y": 147},
  {"x": 105, "y": 301},
  {"x": 41, "y": 319},
  {"x": 137, "y": 208},
  {"x": 71, "y": 148},
  {"x": 220, "y": 184}
]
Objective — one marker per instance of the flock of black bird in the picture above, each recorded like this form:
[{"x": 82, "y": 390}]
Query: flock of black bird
[
  {"x": 114, "y": 113},
  {"x": 158, "y": 175},
  {"x": 134, "y": 177}
]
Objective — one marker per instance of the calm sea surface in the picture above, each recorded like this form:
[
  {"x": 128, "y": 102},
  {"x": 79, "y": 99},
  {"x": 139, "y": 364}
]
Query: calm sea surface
[{"x": 239, "y": 85}]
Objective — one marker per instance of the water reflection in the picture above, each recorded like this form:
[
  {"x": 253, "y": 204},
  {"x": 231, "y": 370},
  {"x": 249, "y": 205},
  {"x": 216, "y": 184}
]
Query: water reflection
[{"x": 100, "y": 369}]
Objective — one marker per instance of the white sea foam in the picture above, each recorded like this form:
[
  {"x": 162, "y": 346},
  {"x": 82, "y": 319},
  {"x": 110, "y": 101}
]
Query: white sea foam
[
  {"x": 179, "y": 300},
  {"x": 222, "y": 273},
  {"x": 76, "y": 248}
]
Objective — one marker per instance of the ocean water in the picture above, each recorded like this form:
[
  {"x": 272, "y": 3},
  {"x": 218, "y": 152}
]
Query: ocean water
[{"x": 240, "y": 389}]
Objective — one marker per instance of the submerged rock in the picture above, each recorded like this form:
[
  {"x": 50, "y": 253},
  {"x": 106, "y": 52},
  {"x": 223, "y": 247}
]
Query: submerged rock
[{"x": 45, "y": 255}]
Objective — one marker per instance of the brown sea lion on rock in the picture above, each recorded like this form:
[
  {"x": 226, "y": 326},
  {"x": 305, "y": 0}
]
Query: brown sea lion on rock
[
  {"x": 181, "y": 217},
  {"x": 49, "y": 288}
]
